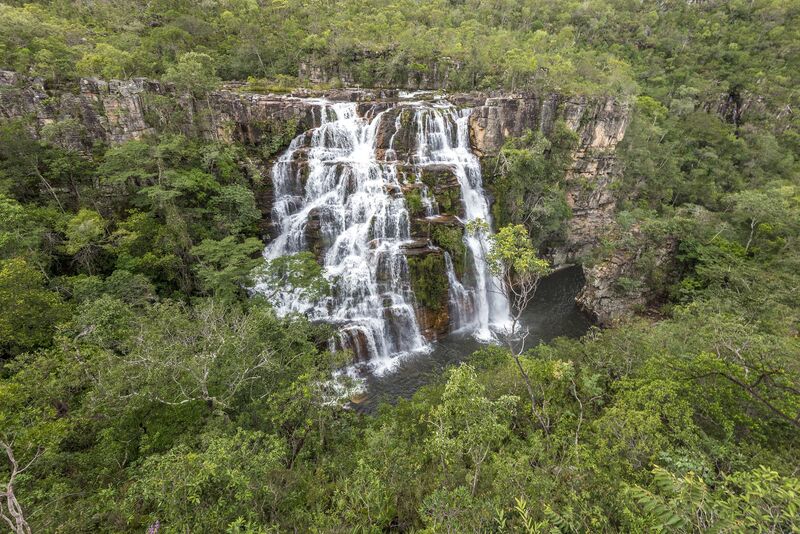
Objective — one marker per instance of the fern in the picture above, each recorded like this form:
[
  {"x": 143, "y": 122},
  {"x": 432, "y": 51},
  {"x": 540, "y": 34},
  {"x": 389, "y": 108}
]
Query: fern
[
  {"x": 559, "y": 523},
  {"x": 662, "y": 508}
]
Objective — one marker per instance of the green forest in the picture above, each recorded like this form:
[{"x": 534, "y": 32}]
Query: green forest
[{"x": 144, "y": 389}]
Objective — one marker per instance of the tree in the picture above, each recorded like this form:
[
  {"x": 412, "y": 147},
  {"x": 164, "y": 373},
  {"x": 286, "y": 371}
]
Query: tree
[
  {"x": 10, "y": 509},
  {"x": 105, "y": 61},
  {"x": 516, "y": 271},
  {"x": 235, "y": 209},
  {"x": 513, "y": 260},
  {"x": 224, "y": 267},
  {"x": 520, "y": 65},
  {"x": 759, "y": 500},
  {"x": 21, "y": 162},
  {"x": 467, "y": 425},
  {"x": 528, "y": 182},
  {"x": 209, "y": 487},
  {"x": 194, "y": 73},
  {"x": 206, "y": 354},
  {"x": 762, "y": 366},
  {"x": 29, "y": 313},
  {"x": 20, "y": 233},
  {"x": 85, "y": 233},
  {"x": 764, "y": 210},
  {"x": 292, "y": 282}
]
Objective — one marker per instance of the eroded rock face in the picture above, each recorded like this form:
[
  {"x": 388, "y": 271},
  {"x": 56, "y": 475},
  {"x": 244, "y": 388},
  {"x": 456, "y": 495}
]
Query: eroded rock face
[
  {"x": 428, "y": 279},
  {"x": 434, "y": 323},
  {"x": 600, "y": 125},
  {"x": 397, "y": 132},
  {"x": 115, "y": 111},
  {"x": 500, "y": 118},
  {"x": 616, "y": 287}
]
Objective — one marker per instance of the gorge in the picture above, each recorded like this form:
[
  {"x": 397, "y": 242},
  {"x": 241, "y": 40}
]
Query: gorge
[
  {"x": 377, "y": 184},
  {"x": 244, "y": 250}
]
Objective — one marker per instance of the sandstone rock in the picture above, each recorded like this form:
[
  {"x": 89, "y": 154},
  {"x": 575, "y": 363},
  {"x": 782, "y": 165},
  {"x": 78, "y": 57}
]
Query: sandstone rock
[
  {"x": 417, "y": 247},
  {"x": 434, "y": 324},
  {"x": 600, "y": 125},
  {"x": 316, "y": 240},
  {"x": 422, "y": 227},
  {"x": 355, "y": 339},
  {"x": 398, "y": 131},
  {"x": 443, "y": 184},
  {"x": 429, "y": 281},
  {"x": 116, "y": 111},
  {"x": 614, "y": 289}
]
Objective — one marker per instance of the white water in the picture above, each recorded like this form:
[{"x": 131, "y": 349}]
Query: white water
[
  {"x": 443, "y": 138},
  {"x": 363, "y": 223}
]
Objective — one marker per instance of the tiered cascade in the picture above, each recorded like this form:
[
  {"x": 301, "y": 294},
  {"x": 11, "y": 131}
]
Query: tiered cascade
[{"x": 339, "y": 194}]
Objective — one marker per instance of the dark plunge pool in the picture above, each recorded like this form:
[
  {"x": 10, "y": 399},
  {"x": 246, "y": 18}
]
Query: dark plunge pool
[{"x": 552, "y": 314}]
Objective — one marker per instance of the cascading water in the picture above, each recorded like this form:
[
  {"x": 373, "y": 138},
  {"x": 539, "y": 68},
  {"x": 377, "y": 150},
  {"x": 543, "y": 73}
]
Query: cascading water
[
  {"x": 439, "y": 143},
  {"x": 331, "y": 184}
]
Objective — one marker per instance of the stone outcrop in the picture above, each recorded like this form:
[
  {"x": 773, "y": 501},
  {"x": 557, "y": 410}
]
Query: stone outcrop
[
  {"x": 397, "y": 131},
  {"x": 617, "y": 286},
  {"x": 600, "y": 125},
  {"x": 112, "y": 112}
]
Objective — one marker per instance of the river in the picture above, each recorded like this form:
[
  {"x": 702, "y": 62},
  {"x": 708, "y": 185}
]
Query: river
[{"x": 552, "y": 314}]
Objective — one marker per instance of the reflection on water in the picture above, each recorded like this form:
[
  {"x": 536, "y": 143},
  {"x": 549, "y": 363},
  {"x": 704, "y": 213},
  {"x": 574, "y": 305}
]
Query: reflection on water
[{"x": 552, "y": 314}]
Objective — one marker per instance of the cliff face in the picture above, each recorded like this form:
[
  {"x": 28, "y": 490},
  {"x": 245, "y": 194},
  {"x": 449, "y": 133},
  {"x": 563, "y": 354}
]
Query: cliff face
[
  {"x": 117, "y": 111},
  {"x": 615, "y": 287},
  {"x": 600, "y": 125}
]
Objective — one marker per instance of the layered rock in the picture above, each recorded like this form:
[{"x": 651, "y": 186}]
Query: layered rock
[
  {"x": 397, "y": 132},
  {"x": 600, "y": 125},
  {"x": 428, "y": 278},
  {"x": 617, "y": 285},
  {"x": 116, "y": 111}
]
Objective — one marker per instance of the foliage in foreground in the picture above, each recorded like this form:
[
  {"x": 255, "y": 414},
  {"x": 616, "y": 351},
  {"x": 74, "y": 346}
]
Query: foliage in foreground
[
  {"x": 140, "y": 386},
  {"x": 148, "y": 388}
]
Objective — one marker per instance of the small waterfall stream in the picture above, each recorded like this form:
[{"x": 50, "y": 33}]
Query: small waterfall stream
[
  {"x": 443, "y": 138},
  {"x": 335, "y": 196}
]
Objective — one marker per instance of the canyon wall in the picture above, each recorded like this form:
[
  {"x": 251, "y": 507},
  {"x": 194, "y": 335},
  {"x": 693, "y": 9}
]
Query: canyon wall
[{"x": 112, "y": 112}]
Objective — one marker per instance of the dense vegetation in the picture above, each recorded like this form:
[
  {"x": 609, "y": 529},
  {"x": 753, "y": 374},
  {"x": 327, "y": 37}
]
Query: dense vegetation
[{"x": 141, "y": 386}]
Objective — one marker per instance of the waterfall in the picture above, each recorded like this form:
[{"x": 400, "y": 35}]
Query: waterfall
[
  {"x": 335, "y": 197},
  {"x": 439, "y": 143}
]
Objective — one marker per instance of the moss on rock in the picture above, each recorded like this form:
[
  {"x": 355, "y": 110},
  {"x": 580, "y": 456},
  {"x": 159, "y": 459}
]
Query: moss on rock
[
  {"x": 429, "y": 280},
  {"x": 451, "y": 239}
]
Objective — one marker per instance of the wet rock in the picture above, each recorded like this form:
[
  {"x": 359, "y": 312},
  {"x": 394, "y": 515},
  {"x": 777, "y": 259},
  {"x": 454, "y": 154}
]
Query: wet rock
[
  {"x": 434, "y": 324},
  {"x": 314, "y": 236},
  {"x": 369, "y": 110},
  {"x": 401, "y": 140},
  {"x": 355, "y": 339},
  {"x": 428, "y": 278},
  {"x": 424, "y": 227},
  {"x": 442, "y": 182},
  {"x": 417, "y": 247}
]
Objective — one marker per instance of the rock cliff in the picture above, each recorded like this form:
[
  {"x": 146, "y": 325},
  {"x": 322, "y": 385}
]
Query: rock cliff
[
  {"x": 600, "y": 125},
  {"x": 112, "y": 112}
]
